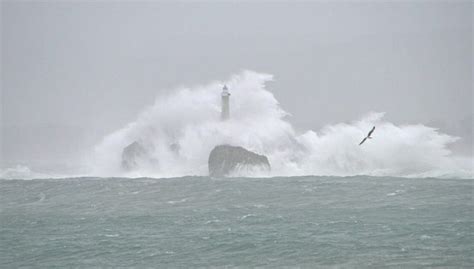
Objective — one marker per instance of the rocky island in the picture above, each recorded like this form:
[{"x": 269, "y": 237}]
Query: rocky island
[{"x": 225, "y": 159}]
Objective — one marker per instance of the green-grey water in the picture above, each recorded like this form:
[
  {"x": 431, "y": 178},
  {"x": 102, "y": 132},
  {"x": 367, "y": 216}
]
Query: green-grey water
[{"x": 351, "y": 222}]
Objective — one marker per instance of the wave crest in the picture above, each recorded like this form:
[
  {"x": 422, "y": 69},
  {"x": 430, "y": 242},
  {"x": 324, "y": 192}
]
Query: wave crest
[{"x": 188, "y": 120}]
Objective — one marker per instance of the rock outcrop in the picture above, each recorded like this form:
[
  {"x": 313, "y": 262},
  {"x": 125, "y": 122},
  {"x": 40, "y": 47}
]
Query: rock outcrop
[
  {"x": 132, "y": 155},
  {"x": 225, "y": 159}
]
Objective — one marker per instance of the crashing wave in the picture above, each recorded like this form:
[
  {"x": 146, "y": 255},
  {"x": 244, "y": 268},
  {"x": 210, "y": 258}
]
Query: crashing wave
[{"x": 189, "y": 119}]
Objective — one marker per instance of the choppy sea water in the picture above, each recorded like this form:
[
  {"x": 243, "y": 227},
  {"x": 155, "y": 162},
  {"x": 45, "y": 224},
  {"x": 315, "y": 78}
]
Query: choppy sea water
[{"x": 237, "y": 222}]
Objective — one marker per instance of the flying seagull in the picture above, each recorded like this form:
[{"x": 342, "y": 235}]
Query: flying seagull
[{"x": 368, "y": 136}]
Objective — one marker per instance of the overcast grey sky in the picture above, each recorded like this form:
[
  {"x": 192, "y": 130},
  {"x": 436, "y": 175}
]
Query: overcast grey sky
[{"x": 74, "y": 71}]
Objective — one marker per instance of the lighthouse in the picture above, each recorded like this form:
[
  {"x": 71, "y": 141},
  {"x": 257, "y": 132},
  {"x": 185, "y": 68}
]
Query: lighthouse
[{"x": 225, "y": 110}]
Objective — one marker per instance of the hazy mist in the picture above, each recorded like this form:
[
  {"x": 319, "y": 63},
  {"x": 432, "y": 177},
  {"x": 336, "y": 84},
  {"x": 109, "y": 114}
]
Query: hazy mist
[{"x": 73, "y": 72}]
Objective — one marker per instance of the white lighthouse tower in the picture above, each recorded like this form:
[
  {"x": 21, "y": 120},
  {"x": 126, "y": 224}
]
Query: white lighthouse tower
[{"x": 225, "y": 110}]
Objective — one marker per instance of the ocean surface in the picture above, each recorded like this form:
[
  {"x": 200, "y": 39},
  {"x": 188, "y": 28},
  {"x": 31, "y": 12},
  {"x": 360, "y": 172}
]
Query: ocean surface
[{"x": 308, "y": 222}]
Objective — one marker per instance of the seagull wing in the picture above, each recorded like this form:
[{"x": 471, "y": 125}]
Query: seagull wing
[
  {"x": 363, "y": 140},
  {"x": 371, "y": 131}
]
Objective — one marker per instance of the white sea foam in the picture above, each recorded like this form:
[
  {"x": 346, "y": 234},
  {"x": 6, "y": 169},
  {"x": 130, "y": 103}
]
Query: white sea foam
[
  {"x": 23, "y": 172},
  {"x": 189, "y": 117},
  {"x": 19, "y": 171}
]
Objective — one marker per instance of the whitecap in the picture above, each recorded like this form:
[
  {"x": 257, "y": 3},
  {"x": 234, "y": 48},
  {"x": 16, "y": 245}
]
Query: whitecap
[
  {"x": 178, "y": 201},
  {"x": 247, "y": 216}
]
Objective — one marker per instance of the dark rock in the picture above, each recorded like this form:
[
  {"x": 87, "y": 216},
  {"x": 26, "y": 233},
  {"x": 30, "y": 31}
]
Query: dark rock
[
  {"x": 132, "y": 155},
  {"x": 225, "y": 159}
]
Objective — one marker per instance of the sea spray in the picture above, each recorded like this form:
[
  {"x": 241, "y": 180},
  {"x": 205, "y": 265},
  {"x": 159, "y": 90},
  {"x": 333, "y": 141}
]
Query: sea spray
[{"x": 189, "y": 119}]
